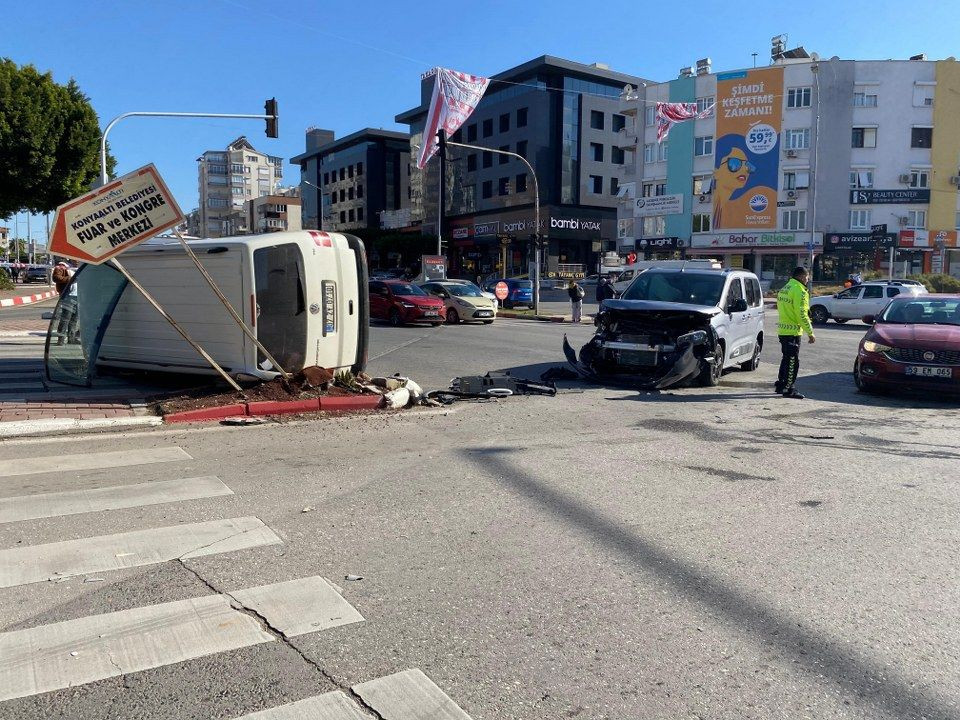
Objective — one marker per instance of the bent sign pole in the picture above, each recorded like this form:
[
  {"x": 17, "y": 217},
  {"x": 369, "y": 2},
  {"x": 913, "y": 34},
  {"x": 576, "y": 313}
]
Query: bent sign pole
[{"x": 103, "y": 223}]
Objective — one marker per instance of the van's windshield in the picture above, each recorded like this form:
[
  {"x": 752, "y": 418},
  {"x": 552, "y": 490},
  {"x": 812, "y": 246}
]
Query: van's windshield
[{"x": 677, "y": 287}]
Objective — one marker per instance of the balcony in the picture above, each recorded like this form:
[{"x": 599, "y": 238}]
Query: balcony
[
  {"x": 629, "y": 102},
  {"x": 626, "y": 137}
]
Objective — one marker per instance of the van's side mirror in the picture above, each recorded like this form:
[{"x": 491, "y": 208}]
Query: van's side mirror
[
  {"x": 868, "y": 319},
  {"x": 738, "y": 305}
]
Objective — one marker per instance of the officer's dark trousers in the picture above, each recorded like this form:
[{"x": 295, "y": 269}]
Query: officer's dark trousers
[{"x": 789, "y": 362}]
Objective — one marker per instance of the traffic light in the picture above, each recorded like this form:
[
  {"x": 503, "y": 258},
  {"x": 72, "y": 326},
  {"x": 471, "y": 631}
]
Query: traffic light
[{"x": 270, "y": 108}]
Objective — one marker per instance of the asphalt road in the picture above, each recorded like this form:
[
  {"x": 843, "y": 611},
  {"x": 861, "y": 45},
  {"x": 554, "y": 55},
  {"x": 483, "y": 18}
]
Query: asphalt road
[{"x": 694, "y": 553}]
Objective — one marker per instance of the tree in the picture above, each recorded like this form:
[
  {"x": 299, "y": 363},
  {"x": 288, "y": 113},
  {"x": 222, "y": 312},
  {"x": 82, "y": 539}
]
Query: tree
[{"x": 49, "y": 141}]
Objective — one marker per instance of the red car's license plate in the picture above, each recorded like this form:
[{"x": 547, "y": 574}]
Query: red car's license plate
[
  {"x": 431, "y": 313},
  {"x": 923, "y": 371}
]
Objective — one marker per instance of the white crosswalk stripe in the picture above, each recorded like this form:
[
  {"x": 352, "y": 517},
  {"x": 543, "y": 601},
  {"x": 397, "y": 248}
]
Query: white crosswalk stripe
[
  {"x": 75, "y": 502},
  {"x": 19, "y": 566},
  {"x": 409, "y": 695},
  {"x": 329, "y": 706},
  {"x": 75, "y": 652},
  {"x": 92, "y": 461}
]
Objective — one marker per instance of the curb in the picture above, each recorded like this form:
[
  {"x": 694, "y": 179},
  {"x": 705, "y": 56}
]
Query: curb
[
  {"x": 337, "y": 404},
  {"x": 27, "y": 299},
  {"x": 540, "y": 318},
  {"x": 22, "y": 428}
]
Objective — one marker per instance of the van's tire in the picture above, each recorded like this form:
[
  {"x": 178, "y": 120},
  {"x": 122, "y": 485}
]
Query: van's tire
[
  {"x": 453, "y": 317},
  {"x": 754, "y": 362},
  {"x": 819, "y": 315},
  {"x": 710, "y": 373},
  {"x": 395, "y": 318}
]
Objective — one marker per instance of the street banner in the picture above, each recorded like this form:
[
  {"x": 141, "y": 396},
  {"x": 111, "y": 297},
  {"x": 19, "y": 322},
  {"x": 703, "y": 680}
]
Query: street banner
[
  {"x": 455, "y": 97},
  {"x": 658, "y": 205},
  {"x": 668, "y": 114},
  {"x": 749, "y": 117},
  {"x": 94, "y": 227}
]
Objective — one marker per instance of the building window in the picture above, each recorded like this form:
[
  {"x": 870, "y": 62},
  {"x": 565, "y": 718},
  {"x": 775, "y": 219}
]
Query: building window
[
  {"x": 796, "y": 180},
  {"x": 503, "y": 186},
  {"x": 701, "y": 222},
  {"x": 487, "y": 159},
  {"x": 333, "y": 198},
  {"x": 326, "y": 178},
  {"x": 917, "y": 219},
  {"x": 488, "y": 127},
  {"x": 505, "y": 122},
  {"x": 237, "y": 168},
  {"x": 216, "y": 180},
  {"x": 649, "y": 115},
  {"x": 797, "y": 139},
  {"x": 360, "y": 214},
  {"x": 647, "y": 189},
  {"x": 504, "y": 159},
  {"x": 703, "y": 145},
  {"x": 864, "y": 137},
  {"x": 596, "y": 119},
  {"x": 655, "y": 226},
  {"x": 522, "y": 182},
  {"x": 617, "y": 155},
  {"x": 343, "y": 216},
  {"x": 859, "y": 219},
  {"x": 522, "y": 148},
  {"x": 662, "y": 156},
  {"x": 648, "y": 153},
  {"x": 921, "y": 137},
  {"x": 522, "y": 117},
  {"x": 472, "y": 132},
  {"x": 705, "y": 102},
  {"x": 596, "y": 152},
  {"x": 237, "y": 179},
  {"x": 349, "y": 171},
  {"x": 252, "y": 158},
  {"x": 471, "y": 162},
  {"x": 919, "y": 178},
  {"x": 862, "y": 99},
  {"x": 359, "y": 191},
  {"x": 798, "y": 97},
  {"x": 359, "y": 168},
  {"x": 794, "y": 220},
  {"x": 923, "y": 95},
  {"x": 661, "y": 189},
  {"x": 352, "y": 215},
  {"x": 343, "y": 195},
  {"x": 618, "y": 122},
  {"x": 487, "y": 189},
  {"x": 596, "y": 184},
  {"x": 702, "y": 184},
  {"x": 342, "y": 173},
  {"x": 861, "y": 179},
  {"x": 614, "y": 186}
]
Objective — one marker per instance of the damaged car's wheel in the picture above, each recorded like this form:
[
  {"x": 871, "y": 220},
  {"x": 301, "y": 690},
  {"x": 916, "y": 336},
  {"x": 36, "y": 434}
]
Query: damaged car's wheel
[
  {"x": 754, "y": 362},
  {"x": 710, "y": 372}
]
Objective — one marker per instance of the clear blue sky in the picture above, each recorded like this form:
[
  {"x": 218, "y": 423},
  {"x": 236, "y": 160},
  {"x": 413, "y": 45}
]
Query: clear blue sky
[{"x": 348, "y": 65}]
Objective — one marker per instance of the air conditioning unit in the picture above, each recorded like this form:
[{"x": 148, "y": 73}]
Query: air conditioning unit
[
  {"x": 792, "y": 194},
  {"x": 903, "y": 221},
  {"x": 955, "y": 180},
  {"x": 905, "y": 178},
  {"x": 791, "y": 153}
]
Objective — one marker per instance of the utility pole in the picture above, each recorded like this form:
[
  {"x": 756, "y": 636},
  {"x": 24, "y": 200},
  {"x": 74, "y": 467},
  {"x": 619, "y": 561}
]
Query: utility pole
[
  {"x": 442, "y": 209},
  {"x": 815, "y": 69}
]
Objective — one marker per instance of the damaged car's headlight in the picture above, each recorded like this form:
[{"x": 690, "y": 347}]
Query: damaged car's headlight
[
  {"x": 605, "y": 323},
  {"x": 697, "y": 337}
]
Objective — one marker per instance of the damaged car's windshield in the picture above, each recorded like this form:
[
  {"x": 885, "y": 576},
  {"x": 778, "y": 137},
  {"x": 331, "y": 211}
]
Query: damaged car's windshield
[{"x": 677, "y": 287}]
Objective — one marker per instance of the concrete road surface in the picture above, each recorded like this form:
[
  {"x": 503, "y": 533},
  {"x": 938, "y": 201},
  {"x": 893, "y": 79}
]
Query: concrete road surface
[{"x": 694, "y": 553}]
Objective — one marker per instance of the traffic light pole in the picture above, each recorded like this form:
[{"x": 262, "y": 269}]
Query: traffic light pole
[
  {"x": 442, "y": 208},
  {"x": 536, "y": 210},
  {"x": 118, "y": 118}
]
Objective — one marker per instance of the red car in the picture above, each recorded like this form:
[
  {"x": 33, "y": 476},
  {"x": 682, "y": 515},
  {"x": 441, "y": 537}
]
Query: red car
[
  {"x": 400, "y": 302},
  {"x": 913, "y": 343}
]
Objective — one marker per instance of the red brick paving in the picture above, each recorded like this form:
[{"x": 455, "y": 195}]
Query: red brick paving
[{"x": 15, "y": 411}]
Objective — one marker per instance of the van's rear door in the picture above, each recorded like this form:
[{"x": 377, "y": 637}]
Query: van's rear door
[{"x": 344, "y": 304}]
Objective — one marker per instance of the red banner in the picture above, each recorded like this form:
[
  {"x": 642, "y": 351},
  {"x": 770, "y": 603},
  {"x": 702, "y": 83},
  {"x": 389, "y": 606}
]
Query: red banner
[{"x": 455, "y": 97}]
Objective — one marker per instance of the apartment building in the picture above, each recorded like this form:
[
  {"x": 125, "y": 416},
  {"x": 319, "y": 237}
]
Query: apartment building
[
  {"x": 348, "y": 183},
  {"x": 278, "y": 212},
  {"x": 840, "y": 159},
  {"x": 563, "y": 117},
  {"x": 228, "y": 179}
]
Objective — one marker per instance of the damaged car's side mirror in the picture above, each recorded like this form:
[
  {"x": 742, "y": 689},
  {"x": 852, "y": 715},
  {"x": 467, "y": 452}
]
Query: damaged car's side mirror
[{"x": 738, "y": 305}]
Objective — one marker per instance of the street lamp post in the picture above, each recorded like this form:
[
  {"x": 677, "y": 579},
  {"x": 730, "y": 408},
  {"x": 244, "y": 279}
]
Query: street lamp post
[
  {"x": 536, "y": 210},
  {"x": 815, "y": 69},
  {"x": 319, "y": 200}
]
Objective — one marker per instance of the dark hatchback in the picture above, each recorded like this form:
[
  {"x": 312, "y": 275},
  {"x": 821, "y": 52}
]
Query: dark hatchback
[
  {"x": 519, "y": 292},
  {"x": 913, "y": 344}
]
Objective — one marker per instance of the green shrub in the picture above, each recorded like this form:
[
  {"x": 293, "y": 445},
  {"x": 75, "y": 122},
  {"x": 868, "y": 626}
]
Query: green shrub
[
  {"x": 5, "y": 282},
  {"x": 939, "y": 283}
]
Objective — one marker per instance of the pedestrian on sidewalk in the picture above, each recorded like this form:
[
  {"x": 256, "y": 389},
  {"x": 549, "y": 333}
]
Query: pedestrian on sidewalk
[
  {"x": 576, "y": 294},
  {"x": 793, "y": 306}
]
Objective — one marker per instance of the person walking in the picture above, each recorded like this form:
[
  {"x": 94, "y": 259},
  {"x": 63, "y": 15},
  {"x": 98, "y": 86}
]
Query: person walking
[
  {"x": 576, "y": 294},
  {"x": 793, "y": 307}
]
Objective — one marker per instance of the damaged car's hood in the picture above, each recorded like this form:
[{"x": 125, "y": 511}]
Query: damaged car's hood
[{"x": 643, "y": 307}]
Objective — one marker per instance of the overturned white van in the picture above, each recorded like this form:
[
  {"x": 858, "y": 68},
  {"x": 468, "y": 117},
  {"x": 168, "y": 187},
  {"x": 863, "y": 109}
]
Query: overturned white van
[{"x": 303, "y": 293}]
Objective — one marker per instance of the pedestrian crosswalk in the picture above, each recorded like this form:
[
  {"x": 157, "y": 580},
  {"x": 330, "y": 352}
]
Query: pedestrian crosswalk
[{"x": 91, "y": 648}]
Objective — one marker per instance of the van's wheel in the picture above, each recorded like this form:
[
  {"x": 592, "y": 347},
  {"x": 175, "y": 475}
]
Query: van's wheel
[
  {"x": 395, "y": 318},
  {"x": 819, "y": 315},
  {"x": 710, "y": 372},
  {"x": 453, "y": 317},
  {"x": 754, "y": 362}
]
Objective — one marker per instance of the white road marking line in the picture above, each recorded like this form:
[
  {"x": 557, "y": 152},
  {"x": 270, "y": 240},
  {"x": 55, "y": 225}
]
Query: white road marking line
[
  {"x": 329, "y": 706},
  {"x": 301, "y": 606},
  {"x": 75, "y": 652},
  {"x": 75, "y": 502},
  {"x": 19, "y": 566},
  {"x": 409, "y": 695},
  {"x": 91, "y": 461}
]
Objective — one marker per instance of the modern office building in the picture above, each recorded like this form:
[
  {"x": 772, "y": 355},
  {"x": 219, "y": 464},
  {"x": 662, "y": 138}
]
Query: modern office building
[
  {"x": 841, "y": 158},
  {"x": 564, "y": 118},
  {"x": 347, "y": 183},
  {"x": 228, "y": 179},
  {"x": 278, "y": 212}
]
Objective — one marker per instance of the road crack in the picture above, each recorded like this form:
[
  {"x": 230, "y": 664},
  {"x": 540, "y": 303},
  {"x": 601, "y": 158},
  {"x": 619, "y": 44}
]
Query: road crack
[{"x": 268, "y": 628}]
